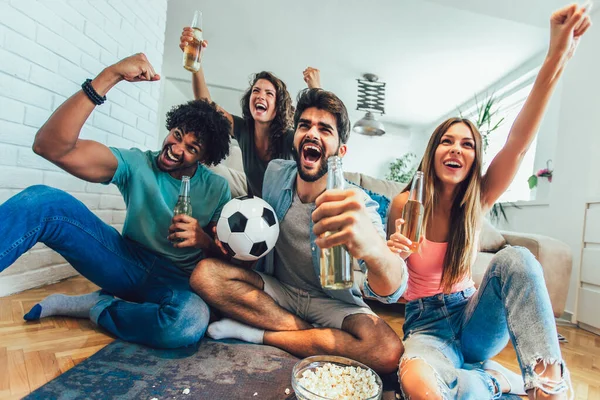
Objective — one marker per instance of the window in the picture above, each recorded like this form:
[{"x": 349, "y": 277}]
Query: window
[
  {"x": 512, "y": 97},
  {"x": 509, "y": 108}
]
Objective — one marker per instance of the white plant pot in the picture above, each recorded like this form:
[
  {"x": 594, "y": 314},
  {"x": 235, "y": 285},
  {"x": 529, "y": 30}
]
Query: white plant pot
[{"x": 542, "y": 190}]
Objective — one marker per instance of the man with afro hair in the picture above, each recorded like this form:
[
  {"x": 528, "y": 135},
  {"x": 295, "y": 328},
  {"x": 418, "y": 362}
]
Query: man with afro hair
[{"x": 143, "y": 272}]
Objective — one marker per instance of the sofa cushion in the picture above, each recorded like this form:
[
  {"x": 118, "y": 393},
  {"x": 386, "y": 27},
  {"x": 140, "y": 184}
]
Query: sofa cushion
[
  {"x": 490, "y": 239},
  {"x": 235, "y": 178},
  {"x": 380, "y": 199},
  {"x": 352, "y": 177},
  {"x": 384, "y": 205},
  {"x": 232, "y": 169},
  {"x": 387, "y": 188}
]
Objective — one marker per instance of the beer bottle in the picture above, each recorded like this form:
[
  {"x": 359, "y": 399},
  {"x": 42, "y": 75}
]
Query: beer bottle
[
  {"x": 335, "y": 262},
  {"x": 184, "y": 202},
  {"x": 412, "y": 214},
  {"x": 192, "y": 51}
]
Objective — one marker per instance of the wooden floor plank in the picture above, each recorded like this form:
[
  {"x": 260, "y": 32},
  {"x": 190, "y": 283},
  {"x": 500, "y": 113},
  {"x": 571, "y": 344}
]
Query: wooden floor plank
[
  {"x": 17, "y": 371},
  {"x": 4, "y": 377},
  {"x": 49, "y": 364},
  {"x": 83, "y": 353},
  {"x": 6, "y": 312},
  {"x": 65, "y": 364},
  {"x": 35, "y": 370},
  {"x": 17, "y": 311}
]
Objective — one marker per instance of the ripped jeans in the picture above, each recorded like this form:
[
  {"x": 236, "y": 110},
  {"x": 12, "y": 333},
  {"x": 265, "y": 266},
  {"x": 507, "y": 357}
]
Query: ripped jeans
[{"x": 454, "y": 333}]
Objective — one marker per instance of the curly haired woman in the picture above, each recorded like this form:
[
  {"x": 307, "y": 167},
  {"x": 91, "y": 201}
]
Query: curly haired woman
[{"x": 264, "y": 130}]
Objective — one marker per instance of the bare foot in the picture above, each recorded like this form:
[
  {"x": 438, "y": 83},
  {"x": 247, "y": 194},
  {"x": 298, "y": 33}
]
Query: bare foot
[
  {"x": 537, "y": 394},
  {"x": 552, "y": 372}
]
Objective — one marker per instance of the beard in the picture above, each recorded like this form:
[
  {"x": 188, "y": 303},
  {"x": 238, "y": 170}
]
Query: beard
[{"x": 320, "y": 172}]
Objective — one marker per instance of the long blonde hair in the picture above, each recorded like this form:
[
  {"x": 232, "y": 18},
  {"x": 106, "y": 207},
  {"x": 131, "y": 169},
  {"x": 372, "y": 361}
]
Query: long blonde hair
[{"x": 465, "y": 214}]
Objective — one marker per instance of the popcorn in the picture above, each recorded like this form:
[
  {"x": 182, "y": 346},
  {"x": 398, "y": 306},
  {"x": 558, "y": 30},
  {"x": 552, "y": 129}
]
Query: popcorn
[
  {"x": 186, "y": 391},
  {"x": 343, "y": 383}
]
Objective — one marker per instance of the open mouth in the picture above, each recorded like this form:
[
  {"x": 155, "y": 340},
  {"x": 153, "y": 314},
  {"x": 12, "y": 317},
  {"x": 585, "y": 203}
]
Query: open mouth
[
  {"x": 453, "y": 164},
  {"x": 311, "y": 153},
  {"x": 171, "y": 158},
  {"x": 260, "y": 107}
]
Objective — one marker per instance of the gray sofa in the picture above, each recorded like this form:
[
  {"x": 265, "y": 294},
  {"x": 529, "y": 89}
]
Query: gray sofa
[{"x": 554, "y": 255}]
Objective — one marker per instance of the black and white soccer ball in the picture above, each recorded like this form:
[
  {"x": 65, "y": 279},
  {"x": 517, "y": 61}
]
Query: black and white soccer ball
[{"x": 248, "y": 228}]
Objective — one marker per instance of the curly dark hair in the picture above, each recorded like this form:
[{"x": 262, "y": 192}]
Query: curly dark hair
[
  {"x": 283, "y": 111},
  {"x": 327, "y": 101},
  {"x": 207, "y": 123}
]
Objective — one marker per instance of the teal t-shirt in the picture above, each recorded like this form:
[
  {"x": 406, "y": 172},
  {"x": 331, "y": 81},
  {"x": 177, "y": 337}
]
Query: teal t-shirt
[{"x": 151, "y": 194}]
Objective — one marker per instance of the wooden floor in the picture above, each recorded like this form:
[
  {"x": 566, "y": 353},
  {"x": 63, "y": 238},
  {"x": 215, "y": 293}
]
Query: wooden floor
[{"x": 34, "y": 353}]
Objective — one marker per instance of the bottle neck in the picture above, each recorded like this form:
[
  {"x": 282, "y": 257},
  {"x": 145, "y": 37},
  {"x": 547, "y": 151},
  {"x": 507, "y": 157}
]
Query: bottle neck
[
  {"x": 416, "y": 189},
  {"x": 184, "y": 190},
  {"x": 335, "y": 173}
]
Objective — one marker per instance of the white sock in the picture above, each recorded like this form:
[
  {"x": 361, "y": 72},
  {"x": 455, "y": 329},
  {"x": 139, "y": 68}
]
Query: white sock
[
  {"x": 517, "y": 386},
  {"x": 230, "y": 329}
]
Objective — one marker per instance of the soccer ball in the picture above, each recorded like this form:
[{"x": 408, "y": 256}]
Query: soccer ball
[{"x": 248, "y": 228}]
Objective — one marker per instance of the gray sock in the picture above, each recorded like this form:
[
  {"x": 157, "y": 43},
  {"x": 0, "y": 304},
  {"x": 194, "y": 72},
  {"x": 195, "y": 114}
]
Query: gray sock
[{"x": 61, "y": 304}]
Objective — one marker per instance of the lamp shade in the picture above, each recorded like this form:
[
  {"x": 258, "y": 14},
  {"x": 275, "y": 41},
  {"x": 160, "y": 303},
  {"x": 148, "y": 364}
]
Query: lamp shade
[{"x": 369, "y": 126}]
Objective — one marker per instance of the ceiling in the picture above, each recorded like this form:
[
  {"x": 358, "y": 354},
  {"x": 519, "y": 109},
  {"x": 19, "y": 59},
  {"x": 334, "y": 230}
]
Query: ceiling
[{"x": 433, "y": 55}]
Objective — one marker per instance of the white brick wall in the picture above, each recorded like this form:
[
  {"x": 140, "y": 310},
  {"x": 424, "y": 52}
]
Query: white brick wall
[{"x": 47, "y": 49}]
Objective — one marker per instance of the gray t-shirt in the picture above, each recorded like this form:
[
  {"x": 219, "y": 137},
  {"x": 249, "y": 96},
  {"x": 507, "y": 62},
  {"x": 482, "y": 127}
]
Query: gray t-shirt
[
  {"x": 293, "y": 257},
  {"x": 254, "y": 167}
]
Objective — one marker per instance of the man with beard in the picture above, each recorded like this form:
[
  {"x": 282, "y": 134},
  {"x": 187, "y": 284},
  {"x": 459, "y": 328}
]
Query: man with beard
[
  {"x": 144, "y": 273},
  {"x": 282, "y": 303}
]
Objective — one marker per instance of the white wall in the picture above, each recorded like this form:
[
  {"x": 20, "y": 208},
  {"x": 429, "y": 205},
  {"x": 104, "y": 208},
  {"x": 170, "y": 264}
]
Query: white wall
[
  {"x": 178, "y": 91},
  {"x": 47, "y": 49},
  {"x": 547, "y": 139},
  {"x": 372, "y": 155},
  {"x": 576, "y": 160}
]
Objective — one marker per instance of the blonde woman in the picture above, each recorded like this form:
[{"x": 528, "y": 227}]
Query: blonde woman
[{"x": 451, "y": 329}]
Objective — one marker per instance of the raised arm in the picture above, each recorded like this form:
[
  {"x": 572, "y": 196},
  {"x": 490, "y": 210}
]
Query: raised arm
[
  {"x": 199, "y": 85},
  {"x": 58, "y": 139},
  {"x": 312, "y": 77},
  {"x": 567, "y": 25}
]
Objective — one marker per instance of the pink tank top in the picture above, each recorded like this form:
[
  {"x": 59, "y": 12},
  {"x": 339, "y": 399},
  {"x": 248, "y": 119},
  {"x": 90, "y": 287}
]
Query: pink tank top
[{"x": 425, "y": 271}]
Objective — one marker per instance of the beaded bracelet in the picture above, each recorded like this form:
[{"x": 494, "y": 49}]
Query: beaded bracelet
[{"x": 89, "y": 90}]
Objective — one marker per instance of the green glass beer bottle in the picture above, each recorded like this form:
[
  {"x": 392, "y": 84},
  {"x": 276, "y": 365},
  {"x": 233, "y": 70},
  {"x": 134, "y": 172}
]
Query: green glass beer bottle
[{"x": 184, "y": 202}]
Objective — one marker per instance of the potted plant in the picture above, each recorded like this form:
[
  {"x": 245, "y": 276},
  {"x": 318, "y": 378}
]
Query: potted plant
[
  {"x": 539, "y": 191},
  {"x": 403, "y": 168},
  {"x": 485, "y": 119}
]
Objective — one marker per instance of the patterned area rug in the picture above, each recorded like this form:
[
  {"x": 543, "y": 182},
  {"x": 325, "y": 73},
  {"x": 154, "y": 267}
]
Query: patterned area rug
[{"x": 214, "y": 370}]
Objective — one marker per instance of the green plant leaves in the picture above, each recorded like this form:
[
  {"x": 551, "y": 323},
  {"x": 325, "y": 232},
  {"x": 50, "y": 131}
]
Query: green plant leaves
[
  {"x": 403, "y": 169},
  {"x": 533, "y": 181}
]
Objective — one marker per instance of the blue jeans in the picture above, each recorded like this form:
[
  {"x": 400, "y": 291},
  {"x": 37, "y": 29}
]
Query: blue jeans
[
  {"x": 145, "y": 298},
  {"x": 455, "y": 333}
]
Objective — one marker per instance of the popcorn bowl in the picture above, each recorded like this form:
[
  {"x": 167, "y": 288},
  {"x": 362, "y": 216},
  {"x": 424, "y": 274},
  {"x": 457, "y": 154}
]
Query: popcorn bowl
[{"x": 322, "y": 378}]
